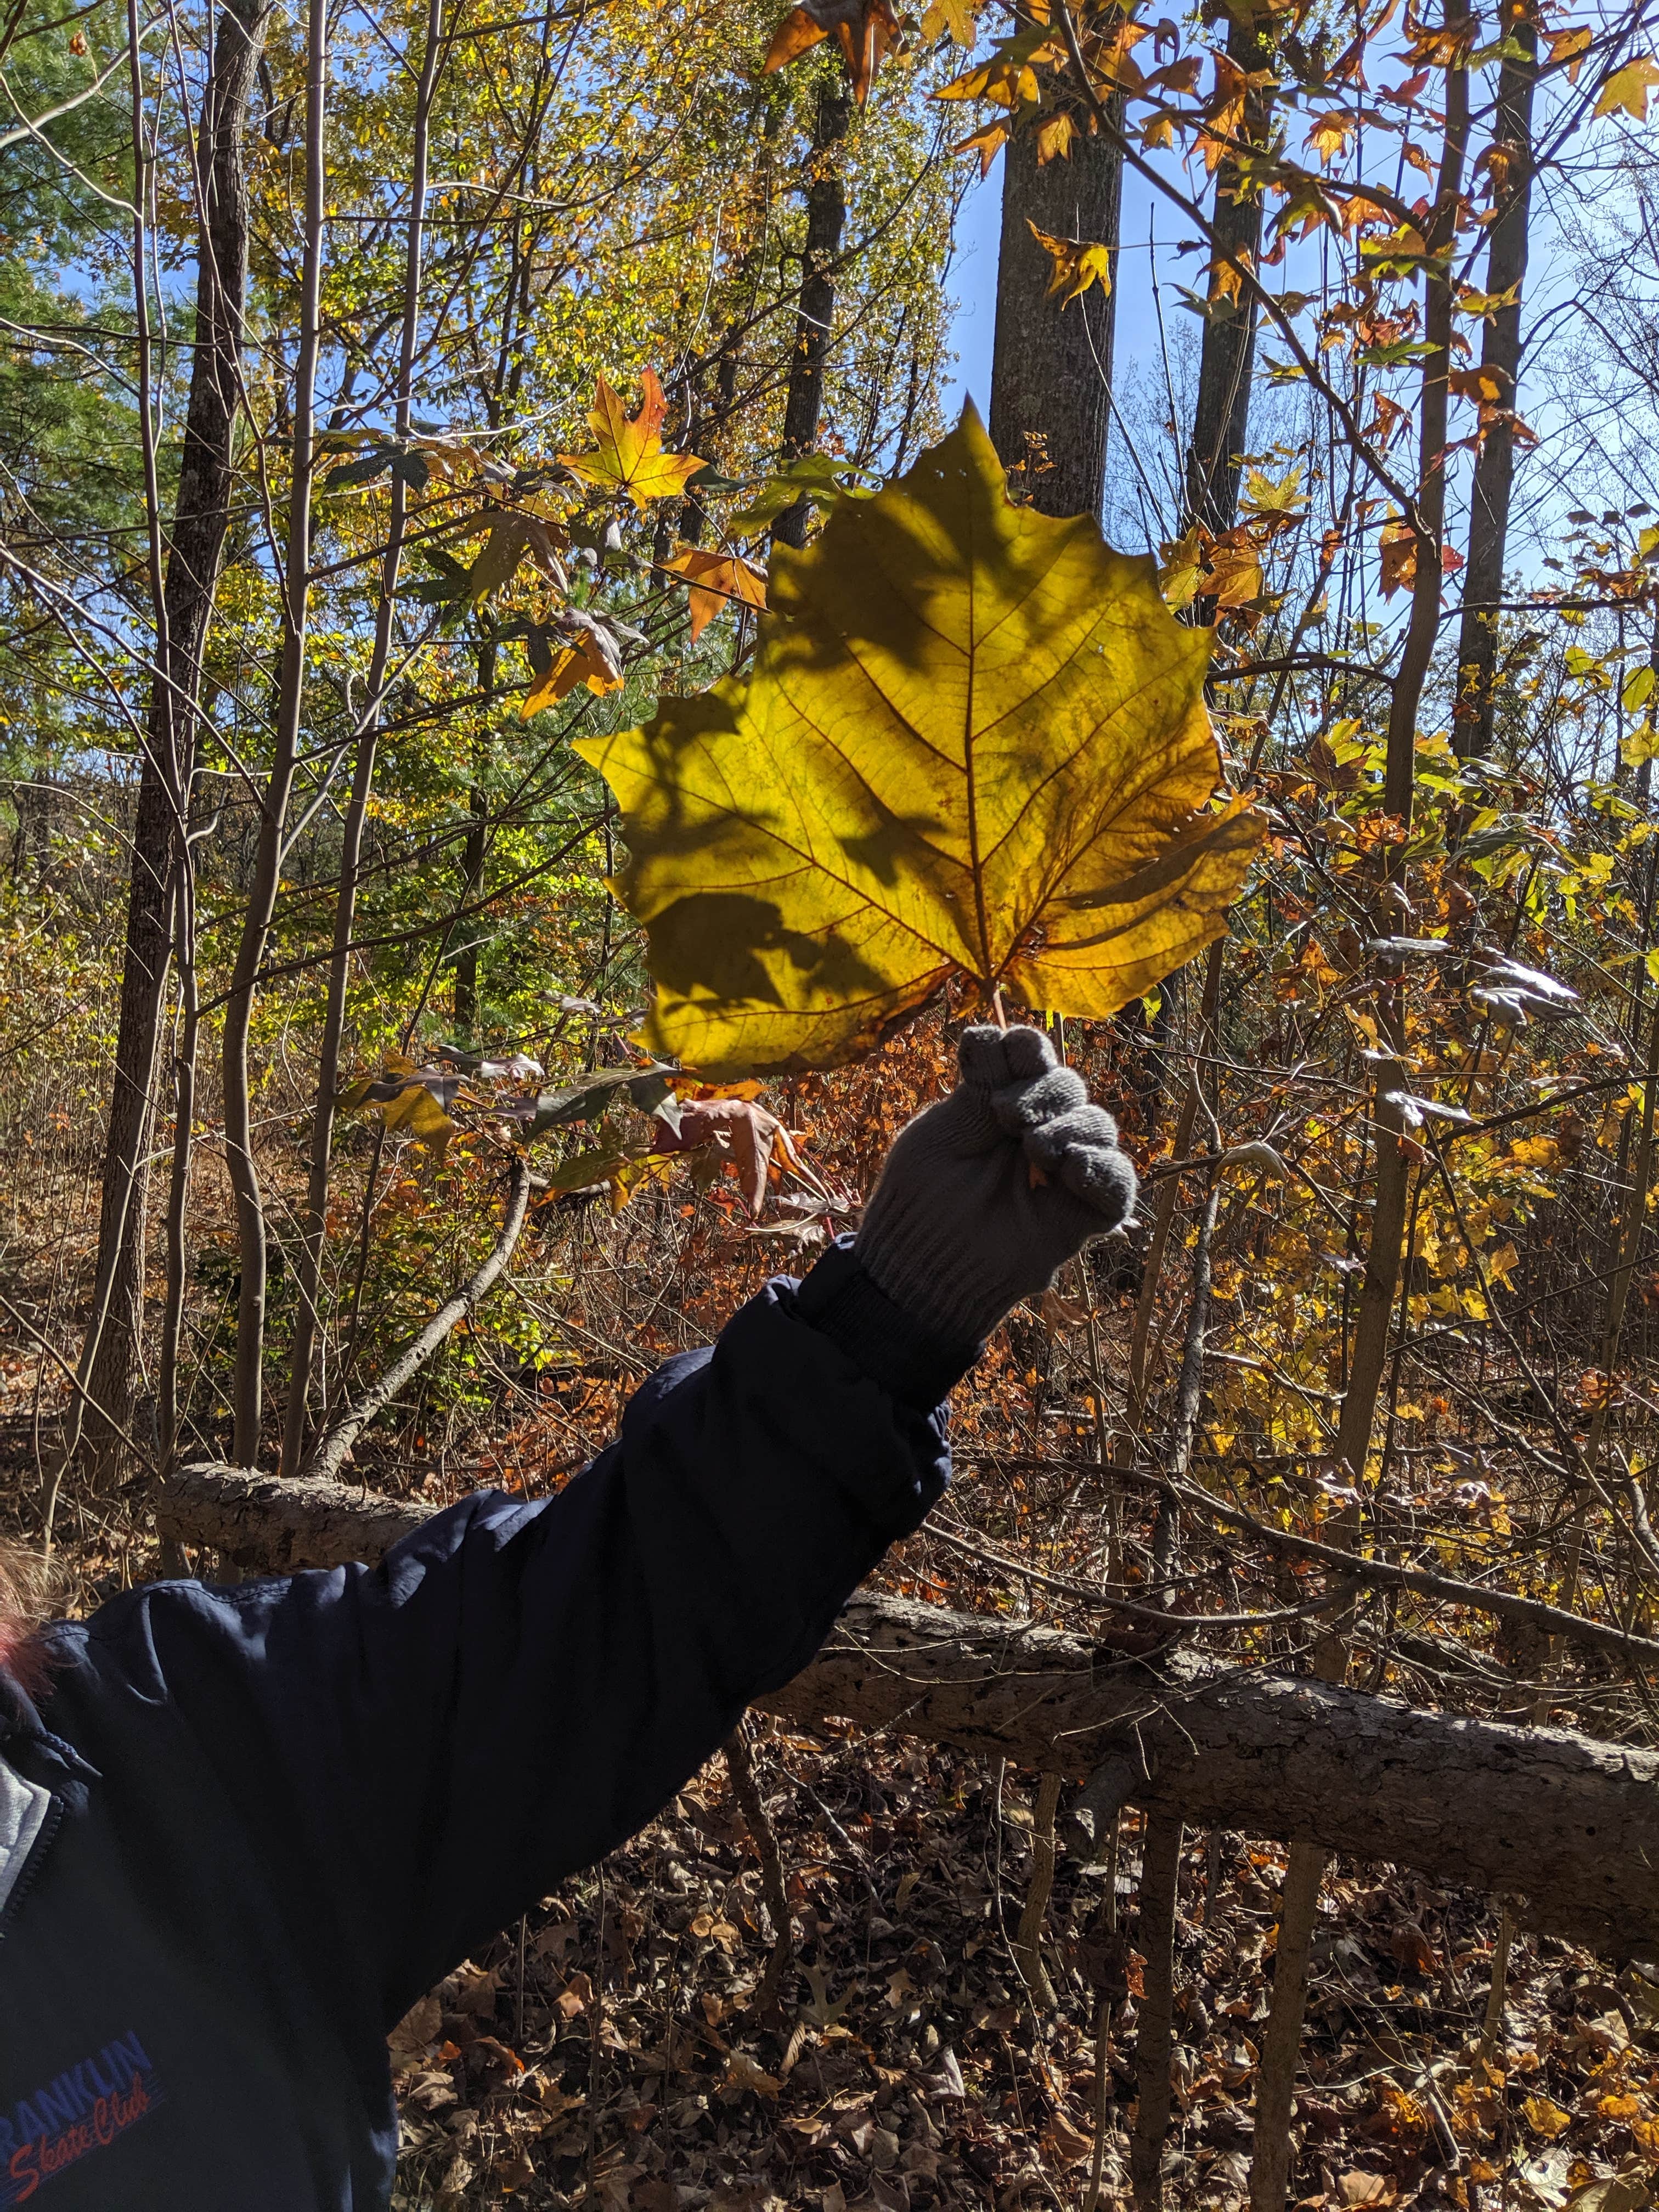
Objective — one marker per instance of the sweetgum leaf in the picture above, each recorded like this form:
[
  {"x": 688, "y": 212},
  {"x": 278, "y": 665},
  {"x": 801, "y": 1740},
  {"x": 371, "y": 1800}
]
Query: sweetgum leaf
[{"x": 974, "y": 743}]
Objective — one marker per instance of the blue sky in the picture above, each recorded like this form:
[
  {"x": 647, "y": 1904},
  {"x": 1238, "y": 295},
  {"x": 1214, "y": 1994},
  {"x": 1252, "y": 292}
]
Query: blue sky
[{"x": 973, "y": 285}]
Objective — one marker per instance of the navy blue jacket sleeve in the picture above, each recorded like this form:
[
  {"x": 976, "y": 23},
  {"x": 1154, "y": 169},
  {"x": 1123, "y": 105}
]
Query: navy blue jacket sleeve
[{"x": 424, "y": 1749}]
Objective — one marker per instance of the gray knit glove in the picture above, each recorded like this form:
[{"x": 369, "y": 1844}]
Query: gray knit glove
[{"x": 959, "y": 1229}]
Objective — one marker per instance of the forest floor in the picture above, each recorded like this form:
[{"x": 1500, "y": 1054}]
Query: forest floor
[{"x": 611, "y": 2054}]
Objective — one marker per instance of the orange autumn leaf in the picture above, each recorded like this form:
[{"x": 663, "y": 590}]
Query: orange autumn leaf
[
  {"x": 581, "y": 663},
  {"x": 629, "y": 457},
  {"x": 1224, "y": 113},
  {"x": 1570, "y": 46},
  {"x": 1482, "y": 385},
  {"x": 715, "y": 581},
  {"x": 1328, "y": 136},
  {"x": 987, "y": 143},
  {"x": 1397, "y": 547},
  {"x": 864, "y": 30}
]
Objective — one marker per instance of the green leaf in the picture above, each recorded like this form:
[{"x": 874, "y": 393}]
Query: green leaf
[
  {"x": 596, "y": 1093},
  {"x": 351, "y": 474}
]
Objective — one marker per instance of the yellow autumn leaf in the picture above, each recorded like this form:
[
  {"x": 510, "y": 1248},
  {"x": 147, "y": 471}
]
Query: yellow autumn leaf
[
  {"x": 1328, "y": 136},
  {"x": 581, "y": 663},
  {"x": 1054, "y": 137},
  {"x": 1267, "y": 500},
  {"x": 973, "y": 745},
  {"x": 415, "y": 1113},
  {"x": 1545, "y": 2118},
  {"x": 716, "y": 580},
  {"x": 1570, "y": 45},
  {"x": 628, "y": 457},
  {"x": 1181, "y": 572},
  {"x": 1471, "y": 303},
  {"x": 1008, "y": 82},
  {"x": 1078, "y": 264},
  {"x": 952, "y": 16},
  {"x": 1626, "y": 90},
  {"x": 1536, "y": 1152},
  {"x": 1233, "y": 573}
]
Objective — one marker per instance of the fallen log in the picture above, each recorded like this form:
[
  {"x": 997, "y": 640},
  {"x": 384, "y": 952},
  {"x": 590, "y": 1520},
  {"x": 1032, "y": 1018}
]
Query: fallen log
[{"x": 1556, "y": 1818}]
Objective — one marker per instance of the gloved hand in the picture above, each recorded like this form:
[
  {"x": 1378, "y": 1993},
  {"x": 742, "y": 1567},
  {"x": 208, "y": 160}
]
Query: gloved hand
[{"x": 958, "y": 1230}]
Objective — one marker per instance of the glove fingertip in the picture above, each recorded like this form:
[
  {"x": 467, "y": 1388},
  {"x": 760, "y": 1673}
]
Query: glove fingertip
[
  {"x": 981, "y": 1053},
  {"x": 1029, "y": 1053},
  {"x": 1104, "y": 1179}
]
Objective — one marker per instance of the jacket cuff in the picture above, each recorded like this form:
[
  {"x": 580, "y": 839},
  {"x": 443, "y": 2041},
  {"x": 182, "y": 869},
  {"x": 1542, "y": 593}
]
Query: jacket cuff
[{"x": 894, "y": 1349}]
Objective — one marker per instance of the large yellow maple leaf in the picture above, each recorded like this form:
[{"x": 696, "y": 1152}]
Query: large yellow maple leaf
[
  {"x": 974, "y": 744},
  {"x": 628, "y": 457}
]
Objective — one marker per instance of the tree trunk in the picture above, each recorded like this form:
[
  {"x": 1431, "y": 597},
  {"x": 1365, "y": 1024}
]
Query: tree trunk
[
  {"x": 1160, "y": 1888},
  {"x": 195, "y": 547},
  {"x": 826, "y": 215},
  {"x": 1221, "y": 415},
  {"x": 1281, "y": 2041},
  {"x": 1543, "y": 1813},
  {"x": 1051, "y": 366},
  {"x": 1500, "y": 353},
  {"x": 296, "y": 1423},
  {"x": 248, "y": 1386},
  {"x": 473, "y": 853}
]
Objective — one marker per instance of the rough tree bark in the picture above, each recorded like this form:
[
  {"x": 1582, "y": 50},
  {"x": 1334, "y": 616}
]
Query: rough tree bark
[
  {"x": 1160, "y": 1888},
  {"x": 1052, "y": 370},
  {"x": 1544, "y": 1813},
  {"x": 1511, "y": 161},
  {"x": 195, "y": 546},
  {"x": 1051, "y": 367},
  {"x": 826, "y": 217},
  {"x": 1221, "y": 414}
]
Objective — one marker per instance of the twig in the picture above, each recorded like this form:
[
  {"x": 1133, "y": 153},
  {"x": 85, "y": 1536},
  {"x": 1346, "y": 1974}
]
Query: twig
[
  {"x": 1028, "y": 1938},
  {"x": 334, "y": 1446},
  {"x": 1503, "y": 1605},
  {"x": 1151, "y": 1616},
  {"x": 740, "y": 1765}
]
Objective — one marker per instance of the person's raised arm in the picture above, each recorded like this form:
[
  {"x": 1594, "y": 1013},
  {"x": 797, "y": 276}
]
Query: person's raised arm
[{"x": 426, "y": 1748}]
